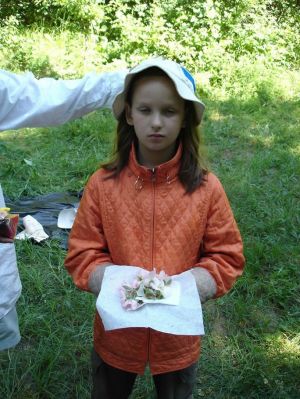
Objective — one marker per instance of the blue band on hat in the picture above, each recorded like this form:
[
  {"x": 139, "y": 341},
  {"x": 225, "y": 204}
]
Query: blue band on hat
[{"x": 189, "y": 76}]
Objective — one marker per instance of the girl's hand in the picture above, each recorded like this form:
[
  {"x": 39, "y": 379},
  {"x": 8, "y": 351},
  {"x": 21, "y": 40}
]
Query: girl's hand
[
  {"x": 206, "y": 285},
  {"x": 96, "y": 277}
]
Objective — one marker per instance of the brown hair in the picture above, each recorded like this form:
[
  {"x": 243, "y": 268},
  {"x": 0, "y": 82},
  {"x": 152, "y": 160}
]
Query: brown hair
[{"x": 192, "y": 169}]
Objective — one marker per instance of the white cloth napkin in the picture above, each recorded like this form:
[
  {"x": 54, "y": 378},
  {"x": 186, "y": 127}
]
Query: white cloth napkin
[{"x": 182, "y": 319}]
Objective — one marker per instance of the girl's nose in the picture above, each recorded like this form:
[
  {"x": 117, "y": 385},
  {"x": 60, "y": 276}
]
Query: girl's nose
[{"x": 156, "y": 120}]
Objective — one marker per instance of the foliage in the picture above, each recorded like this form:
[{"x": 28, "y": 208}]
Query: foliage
[
  {"x": 203, "y": 35},
  {"x": 75, "y": 14}
]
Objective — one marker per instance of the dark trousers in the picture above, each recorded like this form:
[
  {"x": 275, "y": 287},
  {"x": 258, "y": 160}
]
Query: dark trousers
[{"x": 112, "y": 383}]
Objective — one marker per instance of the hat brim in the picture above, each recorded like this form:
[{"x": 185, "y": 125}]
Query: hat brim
[{"x": 119, "y": 102}]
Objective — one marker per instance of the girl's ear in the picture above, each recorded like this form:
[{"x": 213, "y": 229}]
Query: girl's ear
[{"x": 128, "y": 114}]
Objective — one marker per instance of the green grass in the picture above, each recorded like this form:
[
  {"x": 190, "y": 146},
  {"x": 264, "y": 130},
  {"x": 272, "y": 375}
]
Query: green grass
[
  {"x": 62, "y": 158},
  {"x": 251, "y": 349}
]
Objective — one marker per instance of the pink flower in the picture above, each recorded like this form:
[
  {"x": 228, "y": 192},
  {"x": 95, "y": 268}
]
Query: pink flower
[
  {"x": 136, "y": 283},
  {"x": 131, "y": 304},
  {"x": 148, "y": 285},
  {"x": 122, "y": 293}
]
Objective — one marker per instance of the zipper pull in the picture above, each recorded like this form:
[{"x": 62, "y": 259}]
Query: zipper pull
[{"x": 153, "y": 175}]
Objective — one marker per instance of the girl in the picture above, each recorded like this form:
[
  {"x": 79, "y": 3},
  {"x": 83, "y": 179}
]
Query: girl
[{"x": 154, "y": 205}]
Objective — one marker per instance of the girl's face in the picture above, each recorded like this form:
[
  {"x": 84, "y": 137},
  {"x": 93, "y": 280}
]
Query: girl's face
[{"x": 157, "y": 115}]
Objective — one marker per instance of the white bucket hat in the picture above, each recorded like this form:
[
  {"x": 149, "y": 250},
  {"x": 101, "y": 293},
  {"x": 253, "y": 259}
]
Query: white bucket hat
[{"x": 183, "y": 81}]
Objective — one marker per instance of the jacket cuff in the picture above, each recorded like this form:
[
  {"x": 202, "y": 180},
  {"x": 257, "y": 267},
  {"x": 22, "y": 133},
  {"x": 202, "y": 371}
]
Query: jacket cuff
[
  {"x": 96, "y": 278},
  {"x": 206, "y": 285}
]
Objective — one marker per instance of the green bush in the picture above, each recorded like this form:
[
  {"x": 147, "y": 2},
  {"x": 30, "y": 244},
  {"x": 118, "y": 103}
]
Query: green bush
[{"x": 203, "y": 35}]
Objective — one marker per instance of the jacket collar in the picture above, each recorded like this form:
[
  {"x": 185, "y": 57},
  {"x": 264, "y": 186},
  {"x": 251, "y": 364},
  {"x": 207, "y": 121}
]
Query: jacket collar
[{"x": 163, "y": 173}]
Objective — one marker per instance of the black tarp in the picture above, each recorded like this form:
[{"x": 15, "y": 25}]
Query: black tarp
[{"x": 45, "y": 209}]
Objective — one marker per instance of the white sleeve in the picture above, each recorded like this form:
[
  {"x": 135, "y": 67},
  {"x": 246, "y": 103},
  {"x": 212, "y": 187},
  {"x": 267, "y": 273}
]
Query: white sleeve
[{"x": 30, "y": 102}]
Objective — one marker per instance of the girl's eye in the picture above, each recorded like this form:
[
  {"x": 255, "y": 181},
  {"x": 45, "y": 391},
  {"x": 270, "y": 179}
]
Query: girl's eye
[
  {"x": 170, "y": 111},
  {"x": 144, "y": 110}
]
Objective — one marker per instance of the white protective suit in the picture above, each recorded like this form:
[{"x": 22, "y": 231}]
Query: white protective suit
[{"x": 30, "y": 102}]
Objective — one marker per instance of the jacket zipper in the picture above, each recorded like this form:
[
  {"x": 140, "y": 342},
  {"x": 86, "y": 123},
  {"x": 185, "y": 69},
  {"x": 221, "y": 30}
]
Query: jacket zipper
[
  {"x": 153, "y": 179},
  {"x": 152, "y": 242}
]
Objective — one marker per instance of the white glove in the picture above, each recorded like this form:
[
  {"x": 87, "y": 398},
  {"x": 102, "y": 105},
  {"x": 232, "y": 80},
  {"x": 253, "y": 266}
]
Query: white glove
[
  {"x": 96, "y": 277},
  {"x": 206, "y": 285}
]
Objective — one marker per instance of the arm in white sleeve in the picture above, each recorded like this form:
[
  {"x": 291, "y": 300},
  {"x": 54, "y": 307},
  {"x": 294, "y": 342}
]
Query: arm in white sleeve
[{"x": 30, "y": 102}]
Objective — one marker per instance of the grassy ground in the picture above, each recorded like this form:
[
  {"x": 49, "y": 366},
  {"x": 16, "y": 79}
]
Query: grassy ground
[{"x": 252, "y": 347}]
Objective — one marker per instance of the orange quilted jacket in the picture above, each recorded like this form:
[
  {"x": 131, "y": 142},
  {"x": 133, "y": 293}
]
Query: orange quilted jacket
[{"x": 144, "y": 218}]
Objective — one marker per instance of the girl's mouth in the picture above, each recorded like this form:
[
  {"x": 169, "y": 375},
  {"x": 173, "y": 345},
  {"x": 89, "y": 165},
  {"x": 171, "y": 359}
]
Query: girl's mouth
[{"x": 155, "y": 135}]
